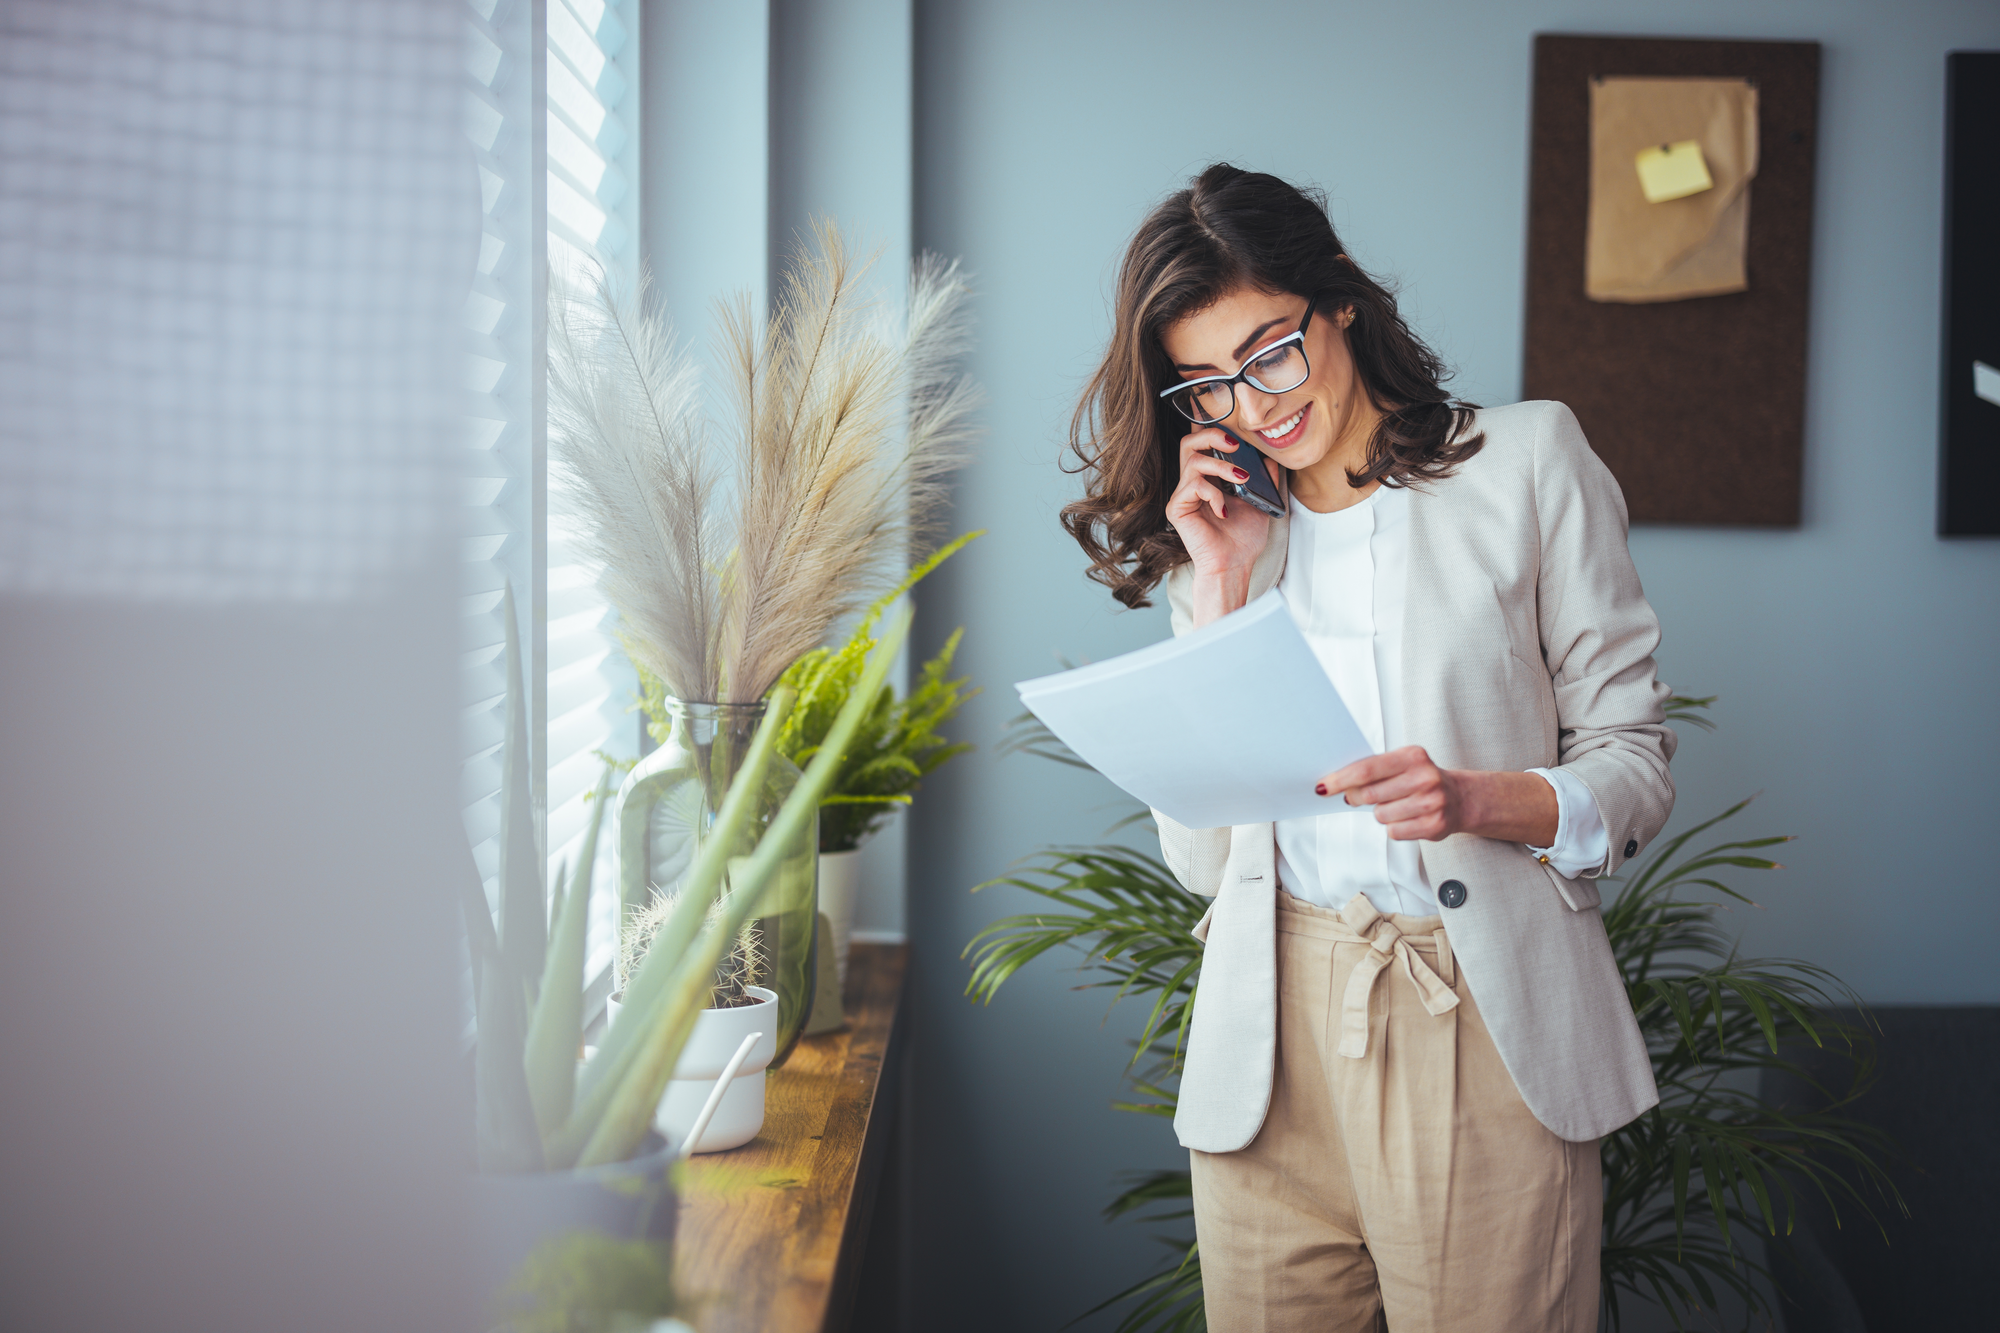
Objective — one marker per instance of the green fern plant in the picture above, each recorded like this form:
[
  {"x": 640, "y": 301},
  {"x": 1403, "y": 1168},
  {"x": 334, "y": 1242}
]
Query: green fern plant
[
  {"x": 898, "y": 744},
  {"x": 1712, "y": 1020}
]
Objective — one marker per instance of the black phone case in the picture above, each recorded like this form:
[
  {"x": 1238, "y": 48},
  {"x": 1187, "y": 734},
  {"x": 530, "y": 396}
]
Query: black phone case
[{"x": 1260, "y": 490}]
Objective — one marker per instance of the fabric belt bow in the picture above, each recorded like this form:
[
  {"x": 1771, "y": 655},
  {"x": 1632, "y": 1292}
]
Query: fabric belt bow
[{"x": 1365, "y": 925}]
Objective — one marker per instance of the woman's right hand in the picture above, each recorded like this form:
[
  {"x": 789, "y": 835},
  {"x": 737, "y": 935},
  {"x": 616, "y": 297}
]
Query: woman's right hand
[{"x": 1223, "y": 535}]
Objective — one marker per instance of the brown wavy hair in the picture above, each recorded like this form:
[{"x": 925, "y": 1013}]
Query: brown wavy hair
[{"x": 1229, "y": 229}]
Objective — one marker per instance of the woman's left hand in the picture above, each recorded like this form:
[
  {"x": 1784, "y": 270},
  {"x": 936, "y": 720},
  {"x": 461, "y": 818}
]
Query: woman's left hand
[{"x": 1417, "y": 799}]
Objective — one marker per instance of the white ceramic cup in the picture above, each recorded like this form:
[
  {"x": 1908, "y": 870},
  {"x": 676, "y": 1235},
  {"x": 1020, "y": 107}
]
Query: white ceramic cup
[
  {"x": 839, "y": 887},
  {"x": 717, "y": 1035}
]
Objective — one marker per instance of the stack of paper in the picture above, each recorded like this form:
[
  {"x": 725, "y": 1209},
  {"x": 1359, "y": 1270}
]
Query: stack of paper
[{"x": 1232, "y": 724}]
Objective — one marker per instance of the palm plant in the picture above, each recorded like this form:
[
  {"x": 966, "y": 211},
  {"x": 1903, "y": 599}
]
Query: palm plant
[
  {"x": 1133, "y": 921},
  {"x": 1712, "y": 1020}
]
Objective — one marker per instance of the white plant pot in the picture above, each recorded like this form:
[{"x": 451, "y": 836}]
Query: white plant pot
[
  {"x": 839, "y": 885},
  {"x": 717, "y": 1035}
]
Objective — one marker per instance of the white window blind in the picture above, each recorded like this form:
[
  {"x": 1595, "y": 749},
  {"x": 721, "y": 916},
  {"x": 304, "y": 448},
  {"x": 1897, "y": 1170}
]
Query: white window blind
[
  {"x": 559, "y": 200},
  {"x": 592, "y": 135},
  {"x": 503, "y": 335}
]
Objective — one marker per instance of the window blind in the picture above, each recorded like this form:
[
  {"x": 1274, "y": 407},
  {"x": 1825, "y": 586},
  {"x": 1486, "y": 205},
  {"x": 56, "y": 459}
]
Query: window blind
[
  {"x": 552, "y": 116},
  {"x": 503, "y": 340},
  {"x": 592, "y": 134}
]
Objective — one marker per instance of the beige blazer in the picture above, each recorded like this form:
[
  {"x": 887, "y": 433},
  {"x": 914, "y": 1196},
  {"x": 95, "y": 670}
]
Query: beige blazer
[{"x": 1527, "y": 643}]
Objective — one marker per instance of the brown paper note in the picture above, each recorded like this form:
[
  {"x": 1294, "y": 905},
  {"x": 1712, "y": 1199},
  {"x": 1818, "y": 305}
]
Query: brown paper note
[{"x": 1637, "y": 251}]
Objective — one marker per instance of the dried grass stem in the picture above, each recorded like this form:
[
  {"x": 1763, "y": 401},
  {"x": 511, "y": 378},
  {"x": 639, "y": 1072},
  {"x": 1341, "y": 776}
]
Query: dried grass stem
[{"x": 842, "y": 428}]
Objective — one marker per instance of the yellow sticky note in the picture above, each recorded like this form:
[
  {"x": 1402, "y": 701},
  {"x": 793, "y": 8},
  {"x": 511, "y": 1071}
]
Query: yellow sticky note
[{"x": 1673, "y": 171}]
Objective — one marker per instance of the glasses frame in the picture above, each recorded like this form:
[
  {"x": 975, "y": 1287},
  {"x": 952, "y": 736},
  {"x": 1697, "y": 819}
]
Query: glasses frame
[{"x": 1243, "y": 376}]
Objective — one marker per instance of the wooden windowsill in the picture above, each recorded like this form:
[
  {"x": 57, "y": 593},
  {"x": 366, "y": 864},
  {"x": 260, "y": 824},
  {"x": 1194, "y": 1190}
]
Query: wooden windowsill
[{"x": 770, "y": 1235}]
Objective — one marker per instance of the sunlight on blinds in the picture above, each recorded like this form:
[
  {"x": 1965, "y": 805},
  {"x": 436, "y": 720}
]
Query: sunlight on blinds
[
  {"x": 592, "y": 219},
  {"x": 500, "y": 336},
  {"x": 586, "y": 215}
]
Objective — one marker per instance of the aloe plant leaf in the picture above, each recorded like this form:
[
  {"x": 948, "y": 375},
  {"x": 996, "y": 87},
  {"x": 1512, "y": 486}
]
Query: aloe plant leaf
[
  {"x": 524, "y": 926},
  {"x": 669, "y": 1016},
  {"x": 629, "y": 1033},
  {"x": 556, "y": 1033},
  {"x": 614, "y": 1104},
  {"x": 482, "y": 941},
  {"x": 556, "y": 891},
  {"x": 506, "y": 1134}
]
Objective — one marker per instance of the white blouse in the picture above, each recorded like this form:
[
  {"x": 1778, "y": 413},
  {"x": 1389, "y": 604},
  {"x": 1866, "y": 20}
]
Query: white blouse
[{"x": 1344, "y": 578}]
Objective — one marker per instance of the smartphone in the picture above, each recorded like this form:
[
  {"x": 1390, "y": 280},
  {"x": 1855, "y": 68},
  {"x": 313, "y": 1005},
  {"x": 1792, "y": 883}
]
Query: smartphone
[{"x": 1260, "y": 490}]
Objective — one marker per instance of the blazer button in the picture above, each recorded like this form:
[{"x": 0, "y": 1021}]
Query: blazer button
[
  {"x": 1452, "y": 893},
  {"x": 1631, "y": 849}
]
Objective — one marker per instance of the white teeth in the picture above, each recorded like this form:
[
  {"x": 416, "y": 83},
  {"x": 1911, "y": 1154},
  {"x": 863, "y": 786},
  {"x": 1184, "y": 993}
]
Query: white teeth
[{"x": 1283, "y": 428}]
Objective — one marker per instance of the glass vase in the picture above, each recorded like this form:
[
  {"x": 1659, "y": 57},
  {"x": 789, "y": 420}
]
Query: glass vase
[{"x": 666, "y": 812}]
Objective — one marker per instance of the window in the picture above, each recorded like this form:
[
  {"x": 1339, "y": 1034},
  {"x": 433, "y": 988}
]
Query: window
[
  {"x": 593, "y": 139},
  {"x": 552, "y": 116}
]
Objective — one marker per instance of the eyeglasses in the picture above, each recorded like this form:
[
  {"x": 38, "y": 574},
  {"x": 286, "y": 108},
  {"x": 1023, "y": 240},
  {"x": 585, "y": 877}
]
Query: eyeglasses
[{"x": 1278, "y": 367}]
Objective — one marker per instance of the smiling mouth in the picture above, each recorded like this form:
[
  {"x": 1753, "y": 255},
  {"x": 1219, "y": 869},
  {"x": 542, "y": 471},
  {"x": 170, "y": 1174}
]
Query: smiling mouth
[{"x": 1288, "y": 431}]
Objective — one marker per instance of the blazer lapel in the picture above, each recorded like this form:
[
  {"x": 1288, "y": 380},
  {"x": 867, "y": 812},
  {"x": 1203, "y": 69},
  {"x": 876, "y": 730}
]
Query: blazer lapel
[{"x": 1423, "y": 706}]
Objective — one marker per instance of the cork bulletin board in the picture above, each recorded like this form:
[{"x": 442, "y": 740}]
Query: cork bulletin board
[{"x": 1697, "y": 405}]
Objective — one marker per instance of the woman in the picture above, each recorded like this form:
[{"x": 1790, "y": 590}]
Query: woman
[{"x": 1419, "y": 1145}]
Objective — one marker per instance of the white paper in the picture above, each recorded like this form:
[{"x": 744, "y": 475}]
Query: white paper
[{"x": 1232, "y": 724}]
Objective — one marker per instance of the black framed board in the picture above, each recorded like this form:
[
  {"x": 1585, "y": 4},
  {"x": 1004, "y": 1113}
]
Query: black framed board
[{"x": 1969, "y": 421}]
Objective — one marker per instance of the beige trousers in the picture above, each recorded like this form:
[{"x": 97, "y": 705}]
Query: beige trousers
[{"x": 1398, "y": 1172}]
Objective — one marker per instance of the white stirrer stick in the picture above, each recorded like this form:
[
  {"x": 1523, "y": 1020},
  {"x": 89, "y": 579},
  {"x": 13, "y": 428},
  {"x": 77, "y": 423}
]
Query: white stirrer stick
[{"x": 700, "y": 1126}]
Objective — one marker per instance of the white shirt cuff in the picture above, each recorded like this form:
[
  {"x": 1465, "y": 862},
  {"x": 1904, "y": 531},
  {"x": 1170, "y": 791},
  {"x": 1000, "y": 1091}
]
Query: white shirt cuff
[{"x": 1581, "y": 843}]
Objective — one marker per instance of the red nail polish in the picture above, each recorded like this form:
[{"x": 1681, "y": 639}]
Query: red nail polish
[
  {"x": 1241, "y": 475},
  {"x": 1320, "y": 787}
]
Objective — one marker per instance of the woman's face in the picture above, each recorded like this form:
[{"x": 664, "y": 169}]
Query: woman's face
[{"x": 1298, "y": 428}]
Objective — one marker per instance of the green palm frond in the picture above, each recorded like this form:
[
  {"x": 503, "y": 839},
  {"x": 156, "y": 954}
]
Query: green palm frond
[
  {"x": 1133, "y": 922},
  {"x": 1687, "y": 708},
  {"x": 902, "y": 798},
  {"x": 1126, "y": 912},
  {"x": 1168, "y": 1301},
  {"x": 1028, "y": 734},
  {"x": 1152, "y": 1188},
  {"x": 1714, "y": 1023}
]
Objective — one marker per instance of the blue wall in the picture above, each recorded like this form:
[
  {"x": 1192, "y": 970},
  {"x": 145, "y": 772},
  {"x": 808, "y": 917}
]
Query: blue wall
[{"x": 1855, "y": 657}]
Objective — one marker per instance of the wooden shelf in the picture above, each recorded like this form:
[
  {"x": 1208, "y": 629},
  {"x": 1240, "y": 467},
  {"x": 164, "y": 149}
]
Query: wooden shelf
[{"x": 770, "y": 1235}]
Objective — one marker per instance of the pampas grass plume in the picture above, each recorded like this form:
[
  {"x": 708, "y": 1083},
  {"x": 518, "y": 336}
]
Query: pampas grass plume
[
  {"x": 625, "y": 418},
  {"x": 841, "y": 430}
]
